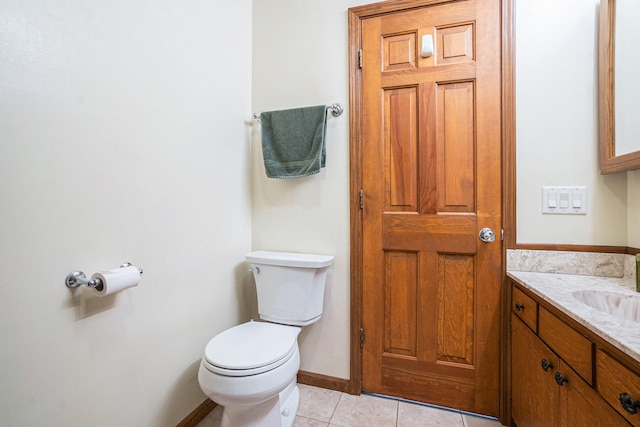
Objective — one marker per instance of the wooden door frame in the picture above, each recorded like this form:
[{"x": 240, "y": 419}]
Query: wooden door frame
[{"x": 508, "y": 166}]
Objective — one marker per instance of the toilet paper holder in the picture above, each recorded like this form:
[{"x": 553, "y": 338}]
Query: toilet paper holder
[{"x": 78, "y": 278}]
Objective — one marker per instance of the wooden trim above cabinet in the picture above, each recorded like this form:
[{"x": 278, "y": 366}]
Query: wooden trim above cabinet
[{"x": 577, "y": 248}]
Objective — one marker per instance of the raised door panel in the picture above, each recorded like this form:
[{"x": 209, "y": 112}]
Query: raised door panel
[
  {"x": 401, "y": 311},
  {"x": 455, "y": 309},
  {"x": 455, "y": 147},
  {"x": 401, "y": 149}
]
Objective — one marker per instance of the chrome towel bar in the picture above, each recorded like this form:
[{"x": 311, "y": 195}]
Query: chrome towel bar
[{"x": 336, "y": 111}]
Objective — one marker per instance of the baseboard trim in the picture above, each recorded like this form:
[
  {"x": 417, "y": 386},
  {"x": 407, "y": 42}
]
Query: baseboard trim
[
  {"x": 308, "y": 378},
  {"x": 198, "y": 414},
  {"x": 323, "y": 381}
]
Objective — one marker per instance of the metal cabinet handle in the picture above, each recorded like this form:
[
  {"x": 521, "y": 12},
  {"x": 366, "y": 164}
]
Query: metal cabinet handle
[
  {"x": 546, "y": 365},
  {"x": 628, "y": 404},
  {"x": 560, "y": 379},
  {"x": 519, "y": 306}
]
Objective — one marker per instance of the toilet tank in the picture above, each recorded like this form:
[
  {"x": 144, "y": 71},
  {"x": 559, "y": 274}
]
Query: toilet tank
[{"x": 290, "y": 286}]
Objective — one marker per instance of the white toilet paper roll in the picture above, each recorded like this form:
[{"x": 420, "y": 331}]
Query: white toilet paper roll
[{"x": 116, "y": 280}]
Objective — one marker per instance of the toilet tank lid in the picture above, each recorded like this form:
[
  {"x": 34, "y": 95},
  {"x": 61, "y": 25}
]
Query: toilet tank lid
[{"x": 289, "y": 259}]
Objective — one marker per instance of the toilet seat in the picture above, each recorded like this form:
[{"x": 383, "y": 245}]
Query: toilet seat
[{"x": 250, "y": 348}]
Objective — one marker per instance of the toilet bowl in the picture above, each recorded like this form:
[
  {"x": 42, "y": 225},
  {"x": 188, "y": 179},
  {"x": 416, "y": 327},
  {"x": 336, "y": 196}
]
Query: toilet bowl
[{"x": 251, "y": 369}]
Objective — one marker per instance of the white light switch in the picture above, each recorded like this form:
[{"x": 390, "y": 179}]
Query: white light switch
[
  {"x": 564, "y": 200},
  {"x": 576, "y": 200}
]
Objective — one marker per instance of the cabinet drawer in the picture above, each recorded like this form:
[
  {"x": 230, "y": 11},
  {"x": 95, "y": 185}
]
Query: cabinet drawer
[
  {"x": 525, "y": 308},
  {"x": 613, "y": 379},
  {"x": 570, "y": 345}
]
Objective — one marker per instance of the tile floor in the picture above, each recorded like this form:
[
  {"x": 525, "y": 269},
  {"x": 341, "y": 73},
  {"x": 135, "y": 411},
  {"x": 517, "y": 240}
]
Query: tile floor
[{"x": 328, "y": 408}]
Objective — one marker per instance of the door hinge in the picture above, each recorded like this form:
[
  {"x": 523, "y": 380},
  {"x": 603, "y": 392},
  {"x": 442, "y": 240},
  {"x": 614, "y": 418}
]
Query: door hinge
[
  {"x": 361, "y": 337},
  {"x": 361, "y": 199},
  {"x": 360, "y": 58},
  {"x": 502, "y": 234}
]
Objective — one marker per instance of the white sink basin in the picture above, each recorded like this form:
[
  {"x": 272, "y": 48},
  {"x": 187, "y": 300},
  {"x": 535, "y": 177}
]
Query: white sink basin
[{"x": 624, "y": 306}]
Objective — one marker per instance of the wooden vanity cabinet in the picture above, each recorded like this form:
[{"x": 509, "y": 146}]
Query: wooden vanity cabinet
[
  {"x": 615, "y": 380},
  {"x": 534, "y": 399},
  {"x": 546, "y": 389},
  {"x": 581, "y": 405}
]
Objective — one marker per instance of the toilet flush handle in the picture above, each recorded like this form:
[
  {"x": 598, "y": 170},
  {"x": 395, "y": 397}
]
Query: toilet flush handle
[{"x": 255, "y": 270}]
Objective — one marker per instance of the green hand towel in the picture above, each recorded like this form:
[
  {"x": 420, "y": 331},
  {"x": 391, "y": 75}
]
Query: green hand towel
[{"x": 293, "y": 141}]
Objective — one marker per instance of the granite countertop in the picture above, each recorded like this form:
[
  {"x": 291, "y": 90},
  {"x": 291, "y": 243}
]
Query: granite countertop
[{"x": 557, "y": 288}]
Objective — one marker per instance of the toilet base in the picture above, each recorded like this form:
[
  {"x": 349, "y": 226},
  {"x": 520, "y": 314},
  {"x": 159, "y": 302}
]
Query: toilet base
[{"x": 279, "y": 411}]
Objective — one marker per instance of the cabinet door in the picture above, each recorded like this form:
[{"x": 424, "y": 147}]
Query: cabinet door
[
  {"x": 535, "y": 394},
  {"x": 580, "y": 405},
  {"x": 614, "y": 379}
]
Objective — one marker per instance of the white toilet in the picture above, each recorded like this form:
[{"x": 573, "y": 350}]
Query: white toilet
[{"x": 251, "y": 369}]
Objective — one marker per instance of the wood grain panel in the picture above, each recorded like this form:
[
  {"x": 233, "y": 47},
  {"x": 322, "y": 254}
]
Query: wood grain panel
[
  {"x": 450, "y": 233},
  {"x": 401, "y": 288},
  {"x": 455, "y": 44},
  {"x": 450, "y": 393},
  {"x": 614, "y": 379},
  {"x": 456, "y": 278},
  {"x": 452, "y": 72},
  {"x": 446, "y": 14},
  {"x": 576, "y": 248},
  {"x": 535, "y": 396},
  {"x": 580, "y": 405},
  {"x": 526, "y": 309},
  {"x": 455, "y": 146},
  {"x": 324, "y": 381},
  {"x": 573, "y": 347},
  {"x": 399, "y": 52},
  {"x": 401, "y": 149}
]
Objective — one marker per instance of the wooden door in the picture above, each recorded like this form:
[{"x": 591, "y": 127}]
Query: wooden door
[
  {"x": 534, "y": 392},
  {"x": 431, "y": 176}
]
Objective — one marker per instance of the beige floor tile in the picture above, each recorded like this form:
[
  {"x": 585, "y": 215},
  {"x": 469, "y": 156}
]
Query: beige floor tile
[
  {"x": 473, "y": 421},
  {"x": 328, "y": 408},
  {"x": 317, "y": 403},
  {"x": 365, "y": 411},
  {"x": 308, "y": 422},
  {"x": 412, "y": 415}
]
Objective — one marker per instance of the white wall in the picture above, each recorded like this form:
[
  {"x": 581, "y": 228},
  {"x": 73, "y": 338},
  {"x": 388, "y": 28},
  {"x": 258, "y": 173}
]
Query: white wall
[
  {"x": 122, "y": 138},
  {"x": 557, "y": 125},
  {"x": 300, "y": 58}
]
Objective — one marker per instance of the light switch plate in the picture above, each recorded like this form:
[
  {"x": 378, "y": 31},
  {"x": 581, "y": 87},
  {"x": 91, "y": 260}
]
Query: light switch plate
[{"x": 564, "y": 200}]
